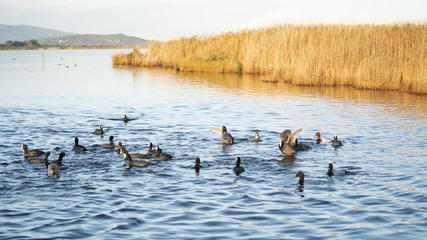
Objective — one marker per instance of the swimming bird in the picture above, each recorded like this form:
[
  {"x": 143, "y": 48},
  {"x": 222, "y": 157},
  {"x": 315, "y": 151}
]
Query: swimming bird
[
  {"x": 40, "y": 160},
  {"x": 238, "y": 169},
  {"x": 77, "y": 147},
  {"x": 150, "y": 148},
  {"x": 161, "y": 156},
  {"x": 197, "y": 165},
  {"x": 109, "y": 145},
  {"x": 331, "y": 171},
  {"x": 285, "y": 135},
  {"x": 52, "y": 169},
  {"x": 256, "y": 138},
  {"x": 336, "y": 143},
  {"x": 135, "y": 163},
  {"x": 32, "y": 153},
  {"x": 59, "y": 161},
  {"x": 226, "y": 137},
  {"x": 320, "y": 140},
  {"x": 134, "y": 155},
  {"x": 300, "y": 146},
  {"x": 288, "y": 145},
  {"x": 99, "y": 131},
  {"x": 119, "y": 148},
  {"x": 126, "y": 119},
  {"x": 301, "y": 177}
]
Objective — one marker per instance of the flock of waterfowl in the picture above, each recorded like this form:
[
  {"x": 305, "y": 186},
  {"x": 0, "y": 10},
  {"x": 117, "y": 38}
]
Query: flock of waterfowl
[{"x": 288, "y": 145}]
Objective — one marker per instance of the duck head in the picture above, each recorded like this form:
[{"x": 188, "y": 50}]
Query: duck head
[
  {"x": 224, "y": 129},
  {"x": 238, "y": 162},
  {"x": 119, "y": 148},
  {"x": 197, "y": 164},
  {"x": 330, "y": 170},
  {"x": 301, "y": 177}
]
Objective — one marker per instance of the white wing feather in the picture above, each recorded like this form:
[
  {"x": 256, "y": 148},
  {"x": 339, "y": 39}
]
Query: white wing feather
[
  {"x": 293, "y": 137},
  {"x": 216, "y": 130}
]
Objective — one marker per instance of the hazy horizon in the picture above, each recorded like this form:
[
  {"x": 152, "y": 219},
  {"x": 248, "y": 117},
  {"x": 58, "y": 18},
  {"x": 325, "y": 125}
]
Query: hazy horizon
[{"x": 167, "y": 19}]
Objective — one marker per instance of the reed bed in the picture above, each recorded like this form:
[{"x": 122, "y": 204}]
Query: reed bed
[{"x": 364, "y": 56}]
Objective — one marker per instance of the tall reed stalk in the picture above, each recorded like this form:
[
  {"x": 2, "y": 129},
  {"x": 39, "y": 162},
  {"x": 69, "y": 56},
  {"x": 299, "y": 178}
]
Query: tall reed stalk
[{"x": 364, "y": 56}]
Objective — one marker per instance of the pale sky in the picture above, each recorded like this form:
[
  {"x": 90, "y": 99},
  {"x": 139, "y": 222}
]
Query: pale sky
[{"x": 168, "y": 19}]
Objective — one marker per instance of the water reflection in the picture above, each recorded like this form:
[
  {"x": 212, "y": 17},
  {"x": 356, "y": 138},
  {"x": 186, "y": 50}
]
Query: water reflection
[
  {"x": 383, "y": 135},
  {"x": 252, "y": 85}
]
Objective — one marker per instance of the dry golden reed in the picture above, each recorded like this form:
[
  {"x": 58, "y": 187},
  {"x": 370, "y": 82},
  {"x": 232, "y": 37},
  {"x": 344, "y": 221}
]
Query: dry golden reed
[{"x": 364, "y": 56}]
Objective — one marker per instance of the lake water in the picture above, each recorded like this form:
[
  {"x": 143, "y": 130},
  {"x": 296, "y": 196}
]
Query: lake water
[{"x": 50, "y": 97}]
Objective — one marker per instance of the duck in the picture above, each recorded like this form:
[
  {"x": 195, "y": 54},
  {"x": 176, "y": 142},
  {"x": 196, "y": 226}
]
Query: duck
[
  {"x": 226, "y": 137},
  {"x": 331, "y": 171},
  {"x": 285, "y": 135},
  {"x": 52, "y": 169},
  {"x": 135, "y": 163},
  {"x": 197, "y": 165},
  {"x": 238, "y": 169},
  {"x": 40, "y": 160},
  {"x": 336, "y": 143},
  {"x": 77, "y": 147},
  {"x": 135, "y": 155},
  {"x": 59, "y": 161},
  {"x": 150, "y": 148},
  {"x": 32, "y": 153},
  {"x": 301, "y": 177},
  {"x": 288, "y": 145},
  {"x": 320, "y": 140},
  {"x": 256, "y": 138},
  {"x": 109, "y": 145},
  {"x": 99, "y": 131},
  {"x": 119, "y": 148},
  {"x": 301, "y": 146},
  {"x": 126, "y": 119},
  {"x": 161, "y": 156}
]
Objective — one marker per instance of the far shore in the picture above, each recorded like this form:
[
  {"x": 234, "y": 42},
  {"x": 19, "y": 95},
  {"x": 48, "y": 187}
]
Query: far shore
[
  {"x": 385, "y": 57},
  {"x": 68, "y": 48}
]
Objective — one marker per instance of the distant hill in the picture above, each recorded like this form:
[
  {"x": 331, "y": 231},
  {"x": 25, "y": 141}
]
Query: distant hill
[
  {"x": 25, "y": 32},
  {"x": 93, "y": 40},
  {"x": 55, "y": 38}
]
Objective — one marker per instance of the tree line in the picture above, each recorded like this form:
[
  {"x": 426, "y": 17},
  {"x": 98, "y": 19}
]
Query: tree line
[{"x": 28, "y": 44}]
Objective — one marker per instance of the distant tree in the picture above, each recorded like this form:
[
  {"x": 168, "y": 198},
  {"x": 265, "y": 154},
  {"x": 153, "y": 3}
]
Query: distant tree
[
  {"x": 32, "y": 43},
  {"x": 18, "y": 44}
]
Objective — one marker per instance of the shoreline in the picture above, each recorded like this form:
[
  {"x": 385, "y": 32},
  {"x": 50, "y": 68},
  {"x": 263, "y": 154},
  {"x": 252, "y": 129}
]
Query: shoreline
[
  {"x": 386, "y": 57},
  {"x": 65, "y": 48}
]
